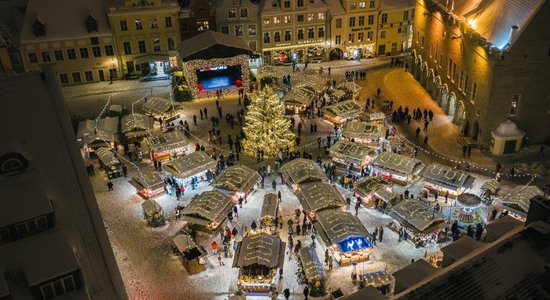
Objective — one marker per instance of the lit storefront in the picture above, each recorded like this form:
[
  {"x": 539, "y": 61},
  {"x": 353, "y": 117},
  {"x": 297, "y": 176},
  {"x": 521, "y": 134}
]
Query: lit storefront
[
  {"x": 372, "y": 189},
  {"x": 167, "y": 145},
  {"x": 317, "y": 196},
  {"x": 109, "y": 163},
  {"x": 398, "y": 168},
  {"x": 285, "y": 53},
  {"x": 365, "y": 133},
  {"x": 208, "y": 211},
  {"x": 197, "y": 164},
  {"x": 445, "y": 180},
  {"x": 356, "y": 155},
  {"x": 148, "y": 184},
  {"x": 343, "y": 111}
]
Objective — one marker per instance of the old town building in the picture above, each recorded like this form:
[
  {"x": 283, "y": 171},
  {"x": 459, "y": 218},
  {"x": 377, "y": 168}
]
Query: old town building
[
  {"x": 195, "y": 17},
  {"x": 464, "y": 53},
  {"x": 146, "y": 35}
]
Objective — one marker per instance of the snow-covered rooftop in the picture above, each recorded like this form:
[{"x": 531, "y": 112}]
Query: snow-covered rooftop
[
  {"x": 190, "y": 165},
  {"x": 315, "y": 196},
  {"x": 166, "y": 141},
  {"x": 446, "y": 176},
  {"x": 376, "y": 185},
  {"x": 157, "y": 105},
  {"x": 366, "y": 293},
  {"x": 107, "y": 130},
  {"x": 351, "y": 152},
  {"x": 270, "y": 206},
  {"x": 343, "y": 109},
  {"x": 521, "y": 196},
  {"x": 150, "y": 207},
  {"x": 297, "y": 96},
  {"x": 311, "y": 265},
  {"x": 302, "y": 170},
  {"x": 335, "y": 225},
  {"x": 412, "y": 274},
  {"x": 209, "y": 206},
  {"x": 418, "y": 215},
  {"x": 501, "y": 227},
  {"x": 184, "y": 242},
  {"x": 209, "y": 38},
  {"x": 459, "y": 249},
  {"x": 106, "y": 156},
  {"x": 136, "y": 122},
  {"x": 260, "y": 249},
  {"x": 363, "y": 130},
  {"x": 508, "y": 129},
  {"x": 398, "y": 163},
  {"x": 149, "y": 179},
  {"x": 239, "y": 178}
]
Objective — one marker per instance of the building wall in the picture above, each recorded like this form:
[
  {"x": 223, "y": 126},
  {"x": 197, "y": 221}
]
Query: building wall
[
  {"x": 225, "y": 22},
  {"x": 395, "y": 35},
  {"x": 80, "y": 65},
  {"x": 196, "y": 19},
  {"x": 129, "y": 13}
]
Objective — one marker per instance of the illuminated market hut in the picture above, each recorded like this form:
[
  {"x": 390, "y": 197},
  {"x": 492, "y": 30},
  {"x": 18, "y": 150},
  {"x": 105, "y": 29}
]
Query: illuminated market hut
[
  {"x": 350, "y": 86},
  {"x": 346, "y": 153},
  {"x": 398, "y": 168},
  {"x": 518, "y": 200},
  {"x": 208, "y": 211},
  {"x": 109, "y": 163},
  {"x": 466, "y": 210},
  {"x": 167, "y": 145},
  {"x": 148, "y": 184},
  {"x": 301, "y": 170},
  {"x": 422, "y": 222},
  {"x": 313, "y": 271},
  {"x": 258, "y": 258},
  {"x": 152, "y": 212},
  {"x": 296, "y": 100},
  {"x": 160, "y": 109},
  {"x": 135, "y": 126},
  {"x": 364, "y": 132},
  {"x": 342, "y": 111},
  {"x": 215, "y": 61},
  {"x": 372, "y": 189},
  {"x": 316, "y": 196},
  {"x": 106, "y": 134},
  {"x": 375, "y": 117},
  {"x": 344, "y": 235},
  {"x": 185, "y": 167},
  {"x": 190, "y": 253},
  {"x": 269, "y": 212},
  {"x": 236, "y": 181},
  {"x": 443, "y": 179}
]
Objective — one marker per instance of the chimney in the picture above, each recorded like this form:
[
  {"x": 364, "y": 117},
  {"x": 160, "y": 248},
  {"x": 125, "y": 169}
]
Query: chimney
[{"x": 513, "y": 33}]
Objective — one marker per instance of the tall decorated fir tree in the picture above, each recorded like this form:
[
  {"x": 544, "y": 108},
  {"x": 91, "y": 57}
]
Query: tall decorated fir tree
[{"x": 266, "y": 127}]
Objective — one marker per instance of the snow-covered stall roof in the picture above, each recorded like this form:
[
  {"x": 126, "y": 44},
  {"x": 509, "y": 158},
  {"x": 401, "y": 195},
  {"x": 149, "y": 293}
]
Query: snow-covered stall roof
[
  {"x": 447, "y": 177},
  {"x": 338, "y": 93},
  {"x": 209, "y": 206},
  {"x": 351, "y": 152},
  {"x": 106, "y": 156},
  {"x": 190, "y": 165},
  {"x": 184, "y": 242},
  {"x": 363, "y": 130},
  {"x": 270, "y": 206},
  {"x": 336, "y": 225},
  {"x": 311, "y": 265},
  {"x": 459, "y": 249},
  {"x": 343, "y": 109},
  {"x": 367, "y": 293},
  {"x": 297, "y": 96},
  {"x": 376, "y": 185},
  {"x": 136, "y": 122},
  {"x": 107, "y": 130},
  {"x": 148, "y": 179},
  {"x": 22, "y": 202},
  {"x": 150, "y": 207},
  {"x": 315, "y": 196},
  {"x": 350, "y": 86},
  {"x": 302, "y": 170},
  {"x": 260, "y": 249},
  {"x": 520, "y": 197},
  {"x": 491, "y": 185},
  {"x": 412, "y": 274},
  {"x": 398, "y": 163},
  {"x": 166, "y": 141},
  {"x": 237, "y": 178},
  {"x": 157, "y": 105},
  {"x": 502, "y": 226},
  {"x": 315, "y": 83},
  {"x": 418, "y": 215}
]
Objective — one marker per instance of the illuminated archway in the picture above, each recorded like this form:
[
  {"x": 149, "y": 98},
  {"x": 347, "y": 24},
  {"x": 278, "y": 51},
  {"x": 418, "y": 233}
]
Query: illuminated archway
[
  {"x": 444, "y": 97},
  {"x": 451, "y": 110}
]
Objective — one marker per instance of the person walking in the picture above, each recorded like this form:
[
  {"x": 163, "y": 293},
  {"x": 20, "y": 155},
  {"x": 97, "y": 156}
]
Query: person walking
[
  {"x": 381, "y": 233},
  {"x": 425, "y": 141},
  {"x": 417, "y": 132},
  {"x": 286, "y": 293},
  {"x": 330, "y": 264},
  {"x": 110, "y": 185},
  {"x": 306, "y": 292},
  {"x": 426, "y": 123},
  {"x": 220, "y": 260},
  {"x": 214, "y": 247},
  {"x": 469, "y": 151}
]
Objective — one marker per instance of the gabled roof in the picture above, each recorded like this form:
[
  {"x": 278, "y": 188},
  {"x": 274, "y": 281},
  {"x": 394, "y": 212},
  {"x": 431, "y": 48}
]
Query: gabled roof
[
  {"x": 343, "y": 109},
  {"x": 316, "y": 196},
  {"x": 190, "y": 164},
  {"x": 106, "y": 156},
  {"x": 336, "y": 225},
  {"x": 351, "y": 152},
  {"x": 260, "y": 249},
  {"x": 107, "y": 130},
  {"x": 237, "y": 178},
  {"x": 270, "y": 206},
  {"x": 363, "y": 130},
  {"x": 502, "y": 227},
  {"x": 521, "y": 196},
  {"x": 210, "y": 206},
  {"x": 150, "y": 207},
  {"x": 419, "y": 215},
  {"x": 202, "y": 41},
  {"x": 302, "y": 170},
  {"x": 398, "y": 163},
  {"x": 373, "y": 185},
  {"x": 184, "y": 242},
  {"x": 149, "y": 179},
  {"x": 387, "y": 5},
  {"x": 136, "y": 122},
  {"x": 166, "y": 141},
  {"x": 367, "y": 293},
  {"x": 446, "y": 176},
  {"x": 311, "y": 265},
  {"x": 157, "y": 105}
]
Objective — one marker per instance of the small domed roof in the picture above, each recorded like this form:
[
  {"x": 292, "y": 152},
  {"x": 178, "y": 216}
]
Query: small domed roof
[{"x": 508, "y": 129}]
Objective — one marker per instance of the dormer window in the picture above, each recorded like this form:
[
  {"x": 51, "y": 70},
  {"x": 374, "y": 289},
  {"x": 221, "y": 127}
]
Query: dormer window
[
  {"x": 38, "y": 28},
  {"x": 91, "y": 24},
  {"x": 12, "y": 162}
]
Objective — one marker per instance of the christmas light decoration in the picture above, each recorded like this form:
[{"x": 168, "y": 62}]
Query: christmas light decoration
[{"x": 266, "y": 128}]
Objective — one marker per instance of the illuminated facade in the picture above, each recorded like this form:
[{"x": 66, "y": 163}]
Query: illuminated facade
[
  {"x": 146, "y": 36},
  {"x": 239, "y": 18},
  {"x": 367, "y": 28},
  {"x": 464, "y": 54},
  {"x": 294, "y": 30}
]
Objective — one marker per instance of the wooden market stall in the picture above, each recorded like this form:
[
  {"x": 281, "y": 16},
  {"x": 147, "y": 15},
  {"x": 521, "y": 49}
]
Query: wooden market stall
[
  {"x": 489, "y": 190},
  {"x": 167, "y": 145},
  {"x": 316, "y": 196},
  {"x": 97, "y": 134},
  {"x": 346, "y": 154},
  {"x": 207, "y": 212},
  {"x": 148, "y": 184},
  {"x": 443, "y": 180},
  {"x": 152, "y": 212},
  {"x": 312, "y": 270},
  {"x": 342, "y": 111},
  {"x": 375, "y": 191},
  {"x": 350, "y": 86},
  {"x": 344, "y": 235},
  {"x": 302, "y": 170},
  {"x": 398, "y": 168},
  {"x": 196, "y": 164},
  {"x": 190, "y": 253},
  {"x": 365, "y": 133},
  {"x": 296, "y": 100},
  {"x": 422, "y": 222},
  {"x": 160, "y": 109},
  {"x": 269, "y": 212},
  {"x": 236, "y": 181},
  {"x": 375, "y": 117},
  {"x": 135, "y": 126},
  {"x": 259, "y": 257},
  {"x": 518, "y": 200},
  {"x": 466, "y": 210},
  {"x": 109, "y": 163}
]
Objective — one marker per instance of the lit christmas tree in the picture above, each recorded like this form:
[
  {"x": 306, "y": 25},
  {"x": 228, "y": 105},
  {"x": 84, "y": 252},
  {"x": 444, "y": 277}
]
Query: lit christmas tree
[{"x": 266, "y": 128}]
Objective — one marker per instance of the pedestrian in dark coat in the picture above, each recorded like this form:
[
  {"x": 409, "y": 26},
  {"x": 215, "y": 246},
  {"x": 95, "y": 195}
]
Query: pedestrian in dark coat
[{"x": 306, "y": 292}]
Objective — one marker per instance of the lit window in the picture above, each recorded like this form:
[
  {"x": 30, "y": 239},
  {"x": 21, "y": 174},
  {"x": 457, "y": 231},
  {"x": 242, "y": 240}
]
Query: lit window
[
  {"x": 321, "y": 16},
  {"x": 232, "y": 13},
  {"x": 351, "y": 37},
  {"x": 362, "y": 4},
  {"x": 514, "y": 106},
  {"x": 276, "y": 20},
  {"x": 310, "y": 17},
  {"x": 139, "y": 24},
  {"x": 288, "y": 19},
  {"x": 156, "y": 45},
  {"x": 239, "y": 30},
  {"x": 252, "y": 30},
  {"x": 266, "y": 21},
  {"x": 360, "y": 37},
  {"x": 153, "y": 22},
  {"x": 353, "y": 5}
]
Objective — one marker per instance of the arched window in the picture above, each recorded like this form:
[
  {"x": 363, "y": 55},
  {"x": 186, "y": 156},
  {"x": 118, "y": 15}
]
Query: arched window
[{"x": 12, "y": 162}]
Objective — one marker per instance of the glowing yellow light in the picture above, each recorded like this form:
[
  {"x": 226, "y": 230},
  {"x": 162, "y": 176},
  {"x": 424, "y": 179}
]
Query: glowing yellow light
[{"x": 472, "y": 23}]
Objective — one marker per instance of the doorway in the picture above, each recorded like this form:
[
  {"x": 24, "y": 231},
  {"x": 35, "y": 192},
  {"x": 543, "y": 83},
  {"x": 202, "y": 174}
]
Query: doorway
[
  {"x": 101, "y": 75},
  {"x": 452, "y": 106},
  {"x": 160, "y": 68}
]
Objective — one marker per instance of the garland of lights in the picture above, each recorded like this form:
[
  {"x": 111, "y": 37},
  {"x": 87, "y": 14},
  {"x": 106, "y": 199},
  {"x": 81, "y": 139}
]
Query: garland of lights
[{"x": 190, "y": 69}]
